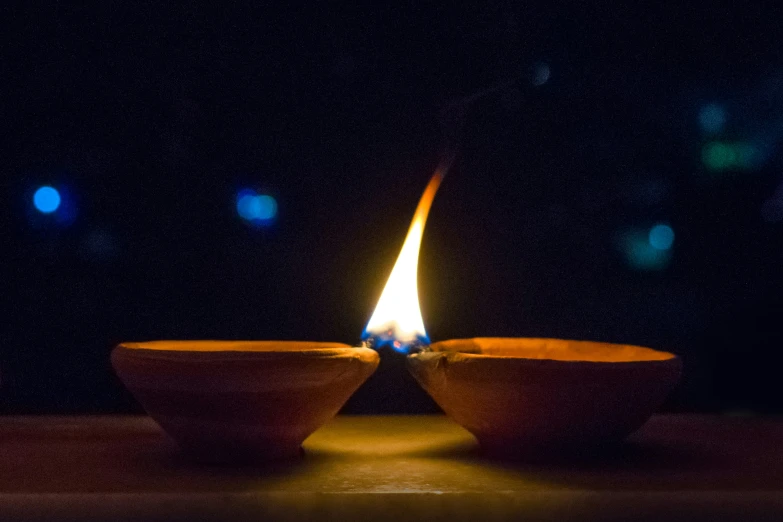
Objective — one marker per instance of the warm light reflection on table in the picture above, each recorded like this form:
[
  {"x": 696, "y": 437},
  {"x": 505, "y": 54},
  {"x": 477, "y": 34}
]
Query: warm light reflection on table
[{"x": 122, "y": 468}]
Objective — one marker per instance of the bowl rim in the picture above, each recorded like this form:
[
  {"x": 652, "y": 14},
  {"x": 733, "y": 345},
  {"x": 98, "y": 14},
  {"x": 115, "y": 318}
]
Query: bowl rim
[
  {"x": 229, "y": 345},
  {"x": 446, "y": 349},
  {"x": 219, "y": 349}
]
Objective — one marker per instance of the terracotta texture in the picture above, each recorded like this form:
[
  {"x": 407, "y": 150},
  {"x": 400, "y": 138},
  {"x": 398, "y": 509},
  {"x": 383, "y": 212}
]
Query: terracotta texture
[
  {"x": 241, "y": 400},
  {"x": 536, "y": 397}
]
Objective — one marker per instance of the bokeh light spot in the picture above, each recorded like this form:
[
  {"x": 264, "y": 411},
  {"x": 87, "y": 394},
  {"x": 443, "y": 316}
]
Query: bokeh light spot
[
  {"x": 46, "y": 199},
  {"x": 742, "y": 155},
  {"x": 719, "y": 156},
  {"x": 635, "y": 246},
  {"x": 541, "y": 74},
  {"x": 257, "y": 209},
  {"x": 748, "y": 156},
  {"x": 712, "y": 118},
  {"x": 661, "y": 237},
  {"x": 246, "y": 202},
  {"x": 266, "y": 207}
]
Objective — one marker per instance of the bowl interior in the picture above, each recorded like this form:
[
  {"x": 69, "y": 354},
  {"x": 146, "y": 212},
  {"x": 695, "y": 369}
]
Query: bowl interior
[
  {"x": 551, "y": 349},
  {"x": 234, "y": 346}
]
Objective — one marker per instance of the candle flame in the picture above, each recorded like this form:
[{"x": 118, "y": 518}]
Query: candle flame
[{"x": 397, "y": 321}]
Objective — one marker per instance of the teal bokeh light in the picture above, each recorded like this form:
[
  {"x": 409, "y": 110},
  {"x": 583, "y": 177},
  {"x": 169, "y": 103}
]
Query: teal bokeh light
[
  {"x": 661, "y": 237},
  {"x": 712, "y": 118},
  {"x": 642, "y": 248}
]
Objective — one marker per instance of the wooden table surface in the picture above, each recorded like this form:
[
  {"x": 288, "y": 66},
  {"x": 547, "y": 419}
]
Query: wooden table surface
[{"x": 684, "y": 467}]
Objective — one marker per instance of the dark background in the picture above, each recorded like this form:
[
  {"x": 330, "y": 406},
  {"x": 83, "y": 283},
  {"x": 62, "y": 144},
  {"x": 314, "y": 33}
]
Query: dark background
[{"x": 149, "y": 118}]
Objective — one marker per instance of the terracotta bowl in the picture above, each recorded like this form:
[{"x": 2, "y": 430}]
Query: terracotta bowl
[
  {"x": 246, "y": 401},
  {"x": 532, "y": 397}
]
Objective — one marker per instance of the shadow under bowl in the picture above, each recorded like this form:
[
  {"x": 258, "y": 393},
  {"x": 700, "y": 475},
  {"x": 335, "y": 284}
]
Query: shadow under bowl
[
  {"x": 529, "y": 398},
  {"x": 241, "y": 401}
]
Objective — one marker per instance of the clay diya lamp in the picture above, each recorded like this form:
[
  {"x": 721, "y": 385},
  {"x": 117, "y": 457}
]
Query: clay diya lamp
[
  {"x": 529, "y": 398},
  {"x": 241, "y": 401}
]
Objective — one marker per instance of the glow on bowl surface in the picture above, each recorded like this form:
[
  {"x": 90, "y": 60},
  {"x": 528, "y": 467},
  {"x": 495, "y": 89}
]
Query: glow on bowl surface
[
  {"x": 552, "y": 349},
  {"x": 234, "y": 346},
  {"x": 534, "y": 397},
  {"x": 242, "y": 401}
]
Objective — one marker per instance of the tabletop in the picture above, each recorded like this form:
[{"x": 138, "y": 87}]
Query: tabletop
[{"x": 689, "y": 467}]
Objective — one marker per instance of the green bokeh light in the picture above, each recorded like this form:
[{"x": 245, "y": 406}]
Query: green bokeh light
[
  {"x": 718, "y": 156},
  {"x": 721, "y": 156}
]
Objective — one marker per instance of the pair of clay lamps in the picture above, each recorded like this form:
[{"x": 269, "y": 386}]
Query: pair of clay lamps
[
  {"x": 251, "y": 401},
  {"x": 242, "y": 401},
  {"x": 537, "y": 398}
]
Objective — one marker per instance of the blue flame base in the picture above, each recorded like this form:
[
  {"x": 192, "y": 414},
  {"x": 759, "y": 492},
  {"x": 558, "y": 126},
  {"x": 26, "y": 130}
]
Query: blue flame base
[{"x": 387, "y": 339}]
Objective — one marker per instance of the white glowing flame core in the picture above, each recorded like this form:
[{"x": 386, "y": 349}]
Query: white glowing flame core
[{"x": 398, "y": 308}]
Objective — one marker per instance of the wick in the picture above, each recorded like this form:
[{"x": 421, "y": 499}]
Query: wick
[{"x": 374, "y": 343}]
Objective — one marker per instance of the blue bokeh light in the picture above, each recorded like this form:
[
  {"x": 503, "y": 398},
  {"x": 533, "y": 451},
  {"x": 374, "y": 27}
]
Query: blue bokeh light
[
  {"x": 46, "y": 199},
  {"x": 265, "y": 207},
  {"x": 541, "y": 74},
  {"x": 637, "y": 248},
  {"x": 661, "y": 237},
  {"x": 246, "y": 204},
  {"x": 712, "y": 118},
  {"x": 256, "y": 209}
]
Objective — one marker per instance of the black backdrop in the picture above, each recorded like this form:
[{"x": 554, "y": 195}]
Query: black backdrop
[{"x": 150, "y": 118}]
